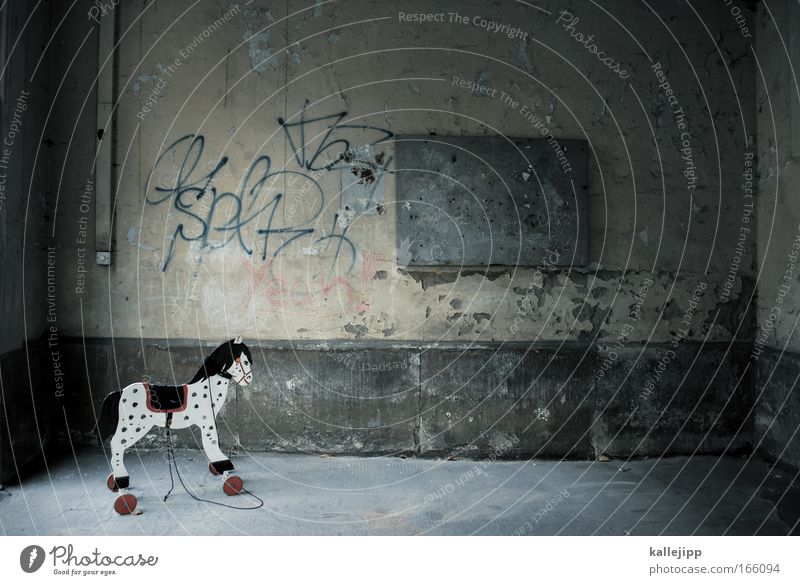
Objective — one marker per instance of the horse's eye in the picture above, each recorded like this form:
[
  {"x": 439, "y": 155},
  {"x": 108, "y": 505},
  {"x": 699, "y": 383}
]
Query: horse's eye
[{"x": 246, "y": 362}]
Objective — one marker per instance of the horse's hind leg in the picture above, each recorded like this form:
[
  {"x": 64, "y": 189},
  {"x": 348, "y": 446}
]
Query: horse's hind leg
[
  {"x": 125, "y": 503},
  {"x": 119, "y": 475},
  {"x": 134, "y": 423}
]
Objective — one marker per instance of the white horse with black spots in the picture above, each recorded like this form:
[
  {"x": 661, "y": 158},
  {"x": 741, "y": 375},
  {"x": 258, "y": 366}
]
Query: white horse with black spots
[{"x": 130, "y": 413}]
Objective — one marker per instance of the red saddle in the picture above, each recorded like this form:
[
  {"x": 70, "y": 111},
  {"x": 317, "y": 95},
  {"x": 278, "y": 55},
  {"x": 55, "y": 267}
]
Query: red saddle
[{"x": 166, "y": 398}]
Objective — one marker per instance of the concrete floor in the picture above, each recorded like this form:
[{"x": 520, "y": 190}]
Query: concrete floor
[{"x": 370, "y": 496}]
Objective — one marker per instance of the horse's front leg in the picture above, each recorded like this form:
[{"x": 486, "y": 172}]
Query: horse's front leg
[{"x": 218, "y": 461}]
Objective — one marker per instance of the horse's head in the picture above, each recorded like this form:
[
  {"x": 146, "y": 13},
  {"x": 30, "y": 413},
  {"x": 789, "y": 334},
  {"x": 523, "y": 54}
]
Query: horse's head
[
  {"x": 241, "y": 370},
  {"x": 231, "y": 360}
]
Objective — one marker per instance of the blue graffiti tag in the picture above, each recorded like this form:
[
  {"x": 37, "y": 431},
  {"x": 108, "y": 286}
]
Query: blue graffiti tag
[
  {"x": 297, "y": 134},
  {"x": 215, "y": 218}
]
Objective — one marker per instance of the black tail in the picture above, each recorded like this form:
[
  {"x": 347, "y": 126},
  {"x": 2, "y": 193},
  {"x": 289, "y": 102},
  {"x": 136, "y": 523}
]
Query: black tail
[{"x": 109, "y": 416}]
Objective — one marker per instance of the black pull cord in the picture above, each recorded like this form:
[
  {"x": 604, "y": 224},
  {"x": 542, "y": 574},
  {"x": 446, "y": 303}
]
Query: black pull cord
[
  {"x": 178, "y": 473},
  {"x": 170, "y": 460}
]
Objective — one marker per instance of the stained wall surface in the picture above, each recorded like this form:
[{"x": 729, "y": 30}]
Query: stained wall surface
[
  {"x": 236, "y": 128},
  {"x": 776, "y": 348},
  {"x": 230, "y": 121},
  {"x": 28, "y": 248}
]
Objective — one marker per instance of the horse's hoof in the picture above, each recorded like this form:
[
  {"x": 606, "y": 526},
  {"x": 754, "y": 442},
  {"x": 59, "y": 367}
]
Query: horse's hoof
[
  {"x": 117, "y": 483},
  {"x": 125, "y": 504},
  {"x": 220, "y": 467},
  {"x": 233, "y": 485}
]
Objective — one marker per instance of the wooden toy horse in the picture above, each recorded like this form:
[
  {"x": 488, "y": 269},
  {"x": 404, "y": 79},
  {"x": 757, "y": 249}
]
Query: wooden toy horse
[{"x": 130, "y": 413}]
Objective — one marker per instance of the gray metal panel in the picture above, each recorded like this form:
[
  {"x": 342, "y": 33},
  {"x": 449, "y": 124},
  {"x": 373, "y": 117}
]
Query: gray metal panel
[{"x": 479, "y": 201}]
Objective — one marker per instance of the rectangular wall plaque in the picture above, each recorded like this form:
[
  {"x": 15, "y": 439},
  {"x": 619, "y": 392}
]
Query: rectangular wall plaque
[{"x": 482, "y": 201}]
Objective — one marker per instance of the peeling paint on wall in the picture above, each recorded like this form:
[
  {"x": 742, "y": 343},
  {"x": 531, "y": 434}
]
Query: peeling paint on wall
[
  {"x": 261, "y": 55},
  {"x": 134, "y": 240},
  {"x": 136, "y": 86},
  {"x": 522, "y": 55}
]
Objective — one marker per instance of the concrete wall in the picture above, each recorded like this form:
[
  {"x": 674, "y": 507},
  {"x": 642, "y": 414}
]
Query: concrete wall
[
  {"x": 182, "y": 75},
  {"x": 26, "y": 211},
  {"x": 511, "y": 399},
  {"x": 212, "y": 104},
  {"x": 23, "y": 207},
  {"x": 777, "y": 343},
  {"x": 642, "y": 352}
]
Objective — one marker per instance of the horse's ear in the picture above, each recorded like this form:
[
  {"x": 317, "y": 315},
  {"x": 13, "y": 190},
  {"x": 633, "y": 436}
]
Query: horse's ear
[{"x": 238, "y": 339}]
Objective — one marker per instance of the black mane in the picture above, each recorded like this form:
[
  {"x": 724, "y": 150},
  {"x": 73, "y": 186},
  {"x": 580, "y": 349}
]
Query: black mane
[{"x": 221, "y": 359}]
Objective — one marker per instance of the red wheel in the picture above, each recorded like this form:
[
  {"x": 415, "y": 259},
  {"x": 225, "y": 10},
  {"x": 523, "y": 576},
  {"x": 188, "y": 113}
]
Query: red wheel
[
  {"x": 111, "y": 483},
  {"x": 233, "y": 485},
  {"x": 125, "y": 504}
]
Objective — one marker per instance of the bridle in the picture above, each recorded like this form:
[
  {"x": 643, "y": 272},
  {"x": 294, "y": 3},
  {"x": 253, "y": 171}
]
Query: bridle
[{"x": 244, "y": 375}]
